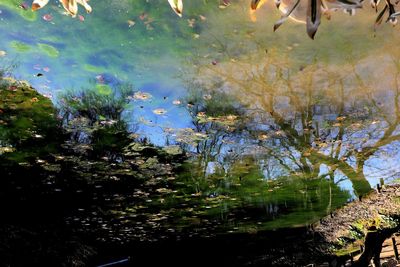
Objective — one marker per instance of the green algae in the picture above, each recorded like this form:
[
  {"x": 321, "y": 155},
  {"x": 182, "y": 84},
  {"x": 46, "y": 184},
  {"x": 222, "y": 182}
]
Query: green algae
[
  {"x": 20, "y": 47},
  {"x": 92, "y": 68},
  {"x": 49, "y": 50},
  {"x": 103, "y": 89}
]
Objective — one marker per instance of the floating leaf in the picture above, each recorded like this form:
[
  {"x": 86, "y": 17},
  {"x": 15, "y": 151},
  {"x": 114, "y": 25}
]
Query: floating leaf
[
  {"x": 159, "y": 111},
  {"x": 173, "y": 150},
  {"x": 142, "y": 96},
  {"x": 131, "y": 23},
  {"x": 47, "y": 17}
]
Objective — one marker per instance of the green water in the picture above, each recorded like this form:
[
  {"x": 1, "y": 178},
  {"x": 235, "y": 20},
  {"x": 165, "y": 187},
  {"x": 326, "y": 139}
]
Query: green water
[{"x": 204, "y": 125}]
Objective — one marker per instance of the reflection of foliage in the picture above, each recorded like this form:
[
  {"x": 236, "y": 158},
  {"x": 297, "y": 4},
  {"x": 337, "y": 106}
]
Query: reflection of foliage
[
  {"x": 95, "y": 117},
  {"x": 242, "y": 200},
  {"x": 110, "y": 139},
  {"x": 28, "y": 123},
  {"x": 94, "y": 105}
]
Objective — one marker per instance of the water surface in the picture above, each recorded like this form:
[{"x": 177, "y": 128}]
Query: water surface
[{"x": 279, "y": 130}]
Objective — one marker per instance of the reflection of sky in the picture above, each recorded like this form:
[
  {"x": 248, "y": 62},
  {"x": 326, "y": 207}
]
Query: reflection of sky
[
  {"x": 103, "y": 44},
  {"x": 151, "y": 124}
]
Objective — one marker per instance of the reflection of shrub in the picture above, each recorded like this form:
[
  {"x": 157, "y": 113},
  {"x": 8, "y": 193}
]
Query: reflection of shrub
[
  {"x": 96, "y": 104},
  {"x": 94, "y": 116},
  {"x": 110, "y": 140},
  {"x": 213, "y": 103}
]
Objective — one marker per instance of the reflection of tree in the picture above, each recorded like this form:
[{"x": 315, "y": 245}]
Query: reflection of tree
[
  {"x": 317, "y": 121},
  {"x": 217, "y": 117}
]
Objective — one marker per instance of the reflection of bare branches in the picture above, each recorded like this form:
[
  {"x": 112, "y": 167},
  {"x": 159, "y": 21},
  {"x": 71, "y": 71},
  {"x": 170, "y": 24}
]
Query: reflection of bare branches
[{"x": 318, "y": 115}]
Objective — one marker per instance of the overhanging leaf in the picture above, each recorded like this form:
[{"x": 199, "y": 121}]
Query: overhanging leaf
[
  {"x": 285, "y": 17},
  {"x": 313, "y": 17},
  {"x": 378, "y": 20},
  {"x": 177, "y": 6},
  {"x": 254, "y": 4}
]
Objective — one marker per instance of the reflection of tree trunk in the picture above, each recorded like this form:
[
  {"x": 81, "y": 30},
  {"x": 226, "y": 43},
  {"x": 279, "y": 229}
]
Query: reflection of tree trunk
[
  {"x": 306, "y": 168},
  {"x": 360, "y": 184},
  {"x": 329, "y": 207}
]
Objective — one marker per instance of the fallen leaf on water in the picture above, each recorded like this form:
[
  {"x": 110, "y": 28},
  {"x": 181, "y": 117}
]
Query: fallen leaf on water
[
  {"x": 47, "y": 17},
  {"x": 224, "y": 4},
  {"x": 207, "y": 97},
  {"x": 6, "y": 150},
  {"x": 100, "y": 78},
  {"x": 231, "y": 117},
  {"x": 143, "y": 16},
  {"x": 191, "y": 22},
  {"x": 141, "y": 96},
  {"x": 13, "y": 88},
  {"x": 159, "y": 111},
  {"x": 24, "y": 6},
  {"x": 2, "y": 53},
  {"x": 131, "y": 23},
  {"x": 201, "y": 114}
]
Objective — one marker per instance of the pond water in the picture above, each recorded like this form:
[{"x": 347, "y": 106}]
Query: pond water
[{"x": 202, "y": 125}]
